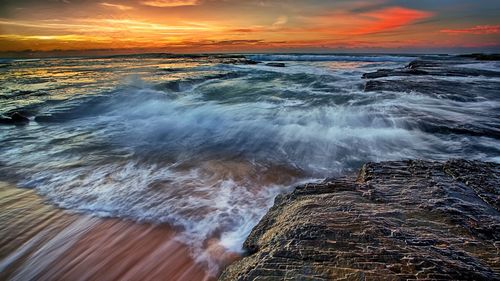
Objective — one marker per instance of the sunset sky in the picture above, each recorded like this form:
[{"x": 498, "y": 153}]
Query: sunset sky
[{"x": 250, "y": 26}]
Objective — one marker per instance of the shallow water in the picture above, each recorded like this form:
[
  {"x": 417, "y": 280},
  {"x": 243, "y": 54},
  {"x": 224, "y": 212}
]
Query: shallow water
[
  {"x": 205, "y": 146},
  {"x": 39, "y": 242}
]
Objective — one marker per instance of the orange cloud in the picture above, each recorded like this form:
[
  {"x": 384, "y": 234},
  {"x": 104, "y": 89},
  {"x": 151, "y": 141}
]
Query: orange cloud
[
  {"x": 281, "y": 21},
  {"x": 389, "y": 18},
  {"x": 116, "y": 6},
  {"x": 478, "y": 29},
  {"x": 244, "y": 30},
  {"x": 348, "y": 23}
]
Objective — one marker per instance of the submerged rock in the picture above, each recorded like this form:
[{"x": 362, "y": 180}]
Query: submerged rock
[
  {"x": 248, "y": 61},
  {"x": 275, "y": 64},
  {"x": 15, "y": 118},
  {"x": 487, "y": 57},
  {"x": 5, "y": 120},
  {"x": 46, "y": 119},
  {"x": 390, "y": 72},
  {"x": 19, "y": 118},
  {"x": 401, "y": 220},
  {"x": 242, "y": 60}
]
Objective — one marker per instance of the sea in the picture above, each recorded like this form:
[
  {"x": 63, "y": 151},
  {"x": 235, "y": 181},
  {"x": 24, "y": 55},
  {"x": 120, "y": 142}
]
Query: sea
[{"x": 204, "y": 145}]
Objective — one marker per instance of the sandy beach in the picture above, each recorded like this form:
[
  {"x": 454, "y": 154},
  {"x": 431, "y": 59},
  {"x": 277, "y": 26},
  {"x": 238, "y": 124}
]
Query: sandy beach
[{"x": 40, "y": 242}]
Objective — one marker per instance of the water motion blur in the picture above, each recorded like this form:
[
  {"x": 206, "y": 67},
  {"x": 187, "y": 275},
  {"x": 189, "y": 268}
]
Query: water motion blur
[{"x": 180, "y": 156}]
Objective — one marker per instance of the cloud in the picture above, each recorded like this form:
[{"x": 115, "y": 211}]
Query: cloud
[
  {"x": 170, "y": 3},
  {"x": 349, "y": 23},
  {"x": 389, "y": 18},
  {"x": 245, "y": 30},
  {"x": 236, "y": 42},
  {"x": 281, "y": 21},
  {"x": 278, "y": 24},
  {"x": 66, "y": 37},
  {"x": 109, "y": 26},
  {"x": 116, "y": 6},
  {"x": 478, "y": 29},
  {"x": 151, "y": 27}
]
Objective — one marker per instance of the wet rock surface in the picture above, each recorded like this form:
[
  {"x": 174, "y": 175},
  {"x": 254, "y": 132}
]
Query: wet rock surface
[
  {"x": 453, "y": 82},
  {"x": 437, "y": 78},
  {"x": 402, "y": 220},
  {"x": 438, "y": 68}
]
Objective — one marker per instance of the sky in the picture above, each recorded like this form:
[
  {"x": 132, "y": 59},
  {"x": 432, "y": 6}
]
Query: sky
[{"x": 191, "y": 26}]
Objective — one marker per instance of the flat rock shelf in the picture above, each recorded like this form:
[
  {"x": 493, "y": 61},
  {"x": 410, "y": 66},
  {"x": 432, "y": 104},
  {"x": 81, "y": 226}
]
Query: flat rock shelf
[{"x": 402, "y": 220}]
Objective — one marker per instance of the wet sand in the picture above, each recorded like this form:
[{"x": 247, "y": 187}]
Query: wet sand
[{"x": 40, "y": 242}]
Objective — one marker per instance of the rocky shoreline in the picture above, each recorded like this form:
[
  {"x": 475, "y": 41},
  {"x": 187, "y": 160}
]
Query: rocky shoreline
[
  {"x": 447, "y": 79},
  {"x": 401, "y": 220}
]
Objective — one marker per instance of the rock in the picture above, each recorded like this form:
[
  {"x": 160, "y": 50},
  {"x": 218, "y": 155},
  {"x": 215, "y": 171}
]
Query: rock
[
  {"x": 375, "y": 85},
  {"x": 398, "y": 220},
  {"x": 430, "y": 78},
  {"x": 19, "y": 118},
  {"x": 47, "y": 119},
  {"x": 247, "y": 61},
  {"x": 275, "y": 64},
  {"x": 423, "y": 63},
  {"x": 437, "y": 68},
  {"x": 487, "y": 57},
  {"x": 377, "y": 74},
  {"x": 5, "y": 120},
  {"x": 389, "y": 72},
  {"x": 240, "y": 60},
  {"x": 15, "y": 118}
]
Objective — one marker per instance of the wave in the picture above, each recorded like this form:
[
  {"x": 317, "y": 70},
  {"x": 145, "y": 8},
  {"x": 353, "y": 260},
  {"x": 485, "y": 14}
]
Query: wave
[
  {"x": 210, "y": 168},
  {"x": 297, "y": 57},
  {"x": 207, "y": 149},
  {"x": 206, "y": 202}
]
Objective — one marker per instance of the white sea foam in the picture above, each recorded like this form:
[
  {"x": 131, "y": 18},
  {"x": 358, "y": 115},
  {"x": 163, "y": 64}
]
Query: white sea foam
[
  {"x": 320, "y": 57},
  {"x": 201, "y": 201}
]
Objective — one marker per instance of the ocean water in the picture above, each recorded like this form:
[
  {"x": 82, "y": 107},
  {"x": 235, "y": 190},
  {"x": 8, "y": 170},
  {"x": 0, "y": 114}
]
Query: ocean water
[{"x": 205, "y": 146}]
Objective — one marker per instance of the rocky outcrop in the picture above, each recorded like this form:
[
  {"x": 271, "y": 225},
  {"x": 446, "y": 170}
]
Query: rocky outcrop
[
  {"x": 402, "y": 220},
  {"x": 436, "y": 68},
  {"x": 441, "y": 80}
]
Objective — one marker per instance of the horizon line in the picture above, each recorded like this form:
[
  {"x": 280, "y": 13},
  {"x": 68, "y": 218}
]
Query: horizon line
[{"x": 134, "y": 51}]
